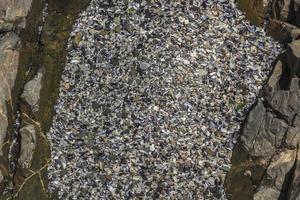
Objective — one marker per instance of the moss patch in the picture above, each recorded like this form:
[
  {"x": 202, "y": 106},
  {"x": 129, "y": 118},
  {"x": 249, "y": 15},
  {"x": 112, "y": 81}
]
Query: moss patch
[
  {"x": 254, "y": 10},
  {"x": 48, "y": 51}
]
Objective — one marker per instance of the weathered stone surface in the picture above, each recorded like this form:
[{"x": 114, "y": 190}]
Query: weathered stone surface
[
  {"x": 13, "y": 13},
  {"x": 9, "y": 56},
  {"x": 28, "y": 145},
  {"x": 263, "y": 132},
  {"x": 284, "y": 9},
  {"x": 294, "y": 16},
  {"x": 273, "y": 82},
  {"x": 270, "y": 134},
  {"x": 274, "y": 182},
  {"x": 23, "y": 19},
  {"x": 282, "y": 31},
  {"x": 31, "y": 93},
  {"x": 294, "y": 190},
  {"x": 265, "y": 159},
  {"x": 293, "y": 58},
  {"x": 295, "y": 34}
]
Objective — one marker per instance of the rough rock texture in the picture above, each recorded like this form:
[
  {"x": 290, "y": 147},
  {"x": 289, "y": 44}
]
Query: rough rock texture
[
  {"x": 13, "y": 14},
  {"x": 31, "y": 93},
  {"x": 28, "y": 145},
  {"x": 265, "y": 161},
  {"x": 285, "y": 20},
  {"x": 47, "y": 60},
  {"x": 33, "y": 38},
  {"x": 12, "y": 17}
]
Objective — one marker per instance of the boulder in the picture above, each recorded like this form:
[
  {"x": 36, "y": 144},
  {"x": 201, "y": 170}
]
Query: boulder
[{"x": 265, "y": 159}]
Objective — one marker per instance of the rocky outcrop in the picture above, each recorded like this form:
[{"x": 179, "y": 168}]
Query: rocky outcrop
[
  {"x": 13, "y": 14},
  {"x": 12, "y": 21},
  {"x": 265, "y": 160},
  {"x": 33, "y": 40}
]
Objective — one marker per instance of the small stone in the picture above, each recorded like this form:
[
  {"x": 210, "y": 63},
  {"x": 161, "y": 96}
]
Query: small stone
[
  {"x": 186, "y": 62},
  {"x": 152, "y": 147},
  {"x": 201, "y": 72},
  {"x": 144, "y": 66},
  {"x": 155, "y": 108}
]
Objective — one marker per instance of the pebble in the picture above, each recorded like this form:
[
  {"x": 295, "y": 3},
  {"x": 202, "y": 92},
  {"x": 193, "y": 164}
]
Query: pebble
[{"x": 152, "y": 97}]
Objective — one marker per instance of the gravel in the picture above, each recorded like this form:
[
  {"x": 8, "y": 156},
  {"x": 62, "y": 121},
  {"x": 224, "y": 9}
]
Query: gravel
[{"x": 152, "y": 97}]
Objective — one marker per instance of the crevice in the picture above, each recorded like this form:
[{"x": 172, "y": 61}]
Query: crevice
[
  {"x": 265, "y": 170},
  {"x": 15, "y": 147},
  {"x": 286, "y": 188},
  {"x": 277, "y": 114}
]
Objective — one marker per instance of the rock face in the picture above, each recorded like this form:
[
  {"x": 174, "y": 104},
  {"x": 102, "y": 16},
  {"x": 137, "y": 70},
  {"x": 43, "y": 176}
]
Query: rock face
[
  {"x": 12, "y": 21},
  {"x": 13, "y": 14},
  {"x": 33, "y": 39},
  {"x": 265, "y": 160}
]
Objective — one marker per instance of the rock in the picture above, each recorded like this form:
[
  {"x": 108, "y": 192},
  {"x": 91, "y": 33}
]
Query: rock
[
  {"x": 263, "y": 132},
  {"x": 294, "y": 189},
  {"x": 282, "y": 31},
  {"x": 31, "y": 93},
  {"x": 143, "y": 66},
  {"x": 28, "y": 145},
  {"x": 284, "y": 9},
  {"x": 274, "y": 182},
  {"x": 293, "y": 58},
  {"x": 201, "y": 72},
  {"x": 264, "y": 161},
  {"x": 77, "y": 39},
  {"x": 295, "y": 34},
  {"x": 273, "y": 82},
  {"x": 295, "y": 13},
  {"x": 13, "y": 14},
  {"x": 9, "y": 56}
]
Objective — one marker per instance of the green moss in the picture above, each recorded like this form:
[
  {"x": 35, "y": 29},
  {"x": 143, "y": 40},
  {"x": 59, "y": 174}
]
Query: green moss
[
  {"x": 253, "y": 9},
  {"x": 51, "y": 55},
  {"x": 55, "y": 37},
  {"x": 32, "y": 189}
]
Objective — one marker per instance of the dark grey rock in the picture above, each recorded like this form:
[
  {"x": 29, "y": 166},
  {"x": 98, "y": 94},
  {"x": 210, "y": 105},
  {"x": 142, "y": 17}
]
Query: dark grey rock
[
  {"x": 263, "y": 132},
  {"x": 264, "y": 162}
]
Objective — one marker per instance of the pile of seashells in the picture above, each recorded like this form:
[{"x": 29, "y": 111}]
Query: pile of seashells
[{"x": 151, "y": 98}]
